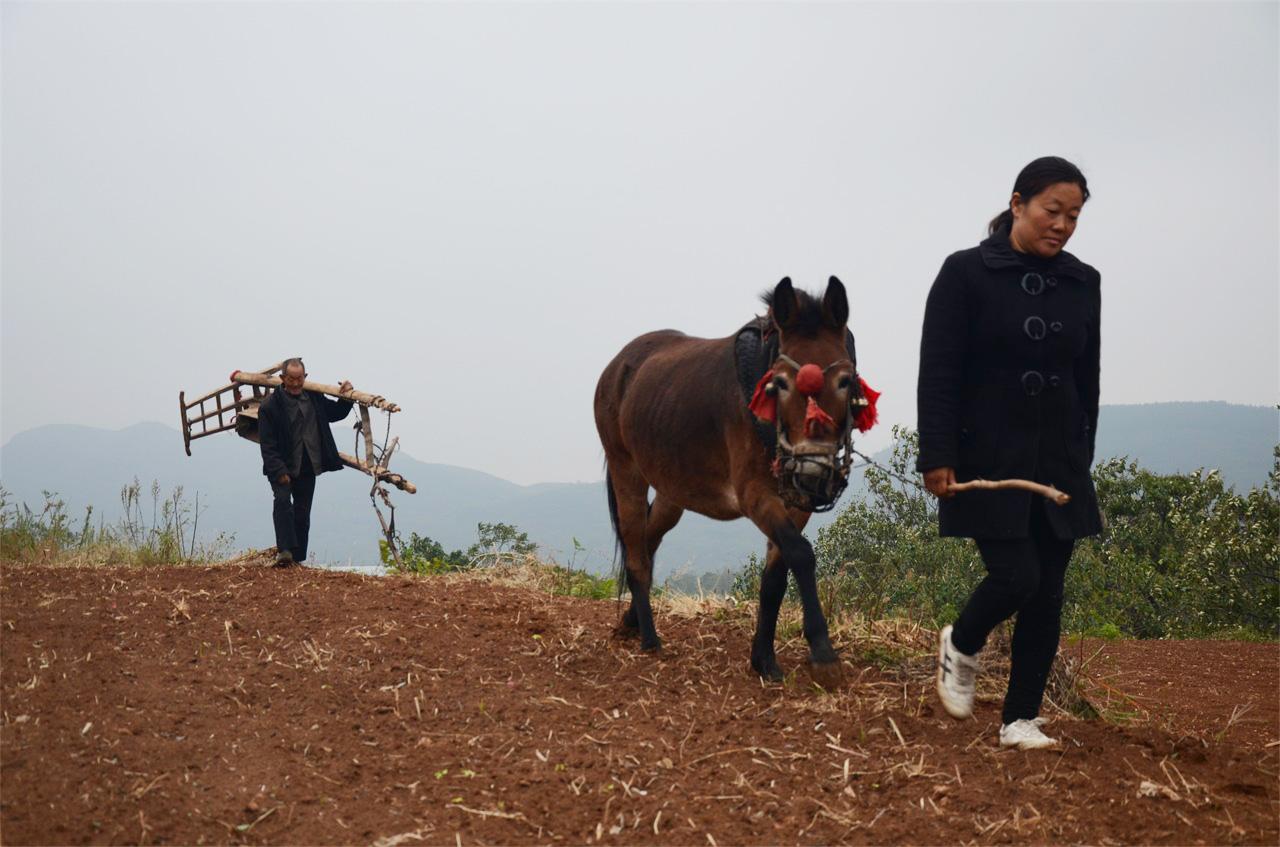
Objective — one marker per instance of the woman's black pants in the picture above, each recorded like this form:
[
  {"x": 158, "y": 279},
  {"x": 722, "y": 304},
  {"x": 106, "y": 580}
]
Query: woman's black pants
[{"x": 1024, "y": 577}]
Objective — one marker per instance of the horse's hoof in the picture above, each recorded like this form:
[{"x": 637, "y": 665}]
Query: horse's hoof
[
  {"x": 828, "y": 675},
  {"x": 768, "y": 669},
  {"x": 823, "y": 653},
  {"x": 654, "y": 647}
]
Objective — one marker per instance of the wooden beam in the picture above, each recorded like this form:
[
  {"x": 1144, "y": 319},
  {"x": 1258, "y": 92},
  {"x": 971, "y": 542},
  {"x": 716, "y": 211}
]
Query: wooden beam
[
  {"x": 361, "y": 397},
  {"x": 379, "y": 473}
]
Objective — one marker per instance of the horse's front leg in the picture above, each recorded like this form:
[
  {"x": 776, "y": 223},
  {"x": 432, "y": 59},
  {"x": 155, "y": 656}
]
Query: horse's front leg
[
  {"x": 790, "y": 551},
  {"x": 773, "y": 587},
  {"x": 798, "y": 552}
]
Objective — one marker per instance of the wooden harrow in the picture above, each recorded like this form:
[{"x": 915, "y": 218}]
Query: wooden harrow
[{"x": 235, "y": 407}]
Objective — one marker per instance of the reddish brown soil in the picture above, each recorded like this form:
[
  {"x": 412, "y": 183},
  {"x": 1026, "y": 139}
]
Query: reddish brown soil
[
  {"x": 1214, "y": 689},
  {"x": 243, "y": 705}
]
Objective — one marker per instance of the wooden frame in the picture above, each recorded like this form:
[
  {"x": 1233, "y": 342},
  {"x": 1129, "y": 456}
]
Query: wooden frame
[{"x": 235, "y": 407}]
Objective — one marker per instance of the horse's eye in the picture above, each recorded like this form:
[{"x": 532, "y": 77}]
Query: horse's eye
[
  {"x": 844, "y": 383},
  {"x": 780, "y": 382}
]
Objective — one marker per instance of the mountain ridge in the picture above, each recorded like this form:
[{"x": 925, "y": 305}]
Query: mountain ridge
[{"x": 87, "y": 466}]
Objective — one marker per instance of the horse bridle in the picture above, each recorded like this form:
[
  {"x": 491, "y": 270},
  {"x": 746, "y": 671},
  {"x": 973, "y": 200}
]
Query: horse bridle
[{"x": 813, "y": 476}]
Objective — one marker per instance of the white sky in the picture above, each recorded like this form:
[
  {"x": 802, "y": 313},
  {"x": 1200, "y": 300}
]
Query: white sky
[{"x": 469, "y": 208}]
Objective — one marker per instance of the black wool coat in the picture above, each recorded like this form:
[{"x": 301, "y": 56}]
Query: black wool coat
[
  {"x": 277, "y": 441},
  {"x": 1008, "y": 387}
]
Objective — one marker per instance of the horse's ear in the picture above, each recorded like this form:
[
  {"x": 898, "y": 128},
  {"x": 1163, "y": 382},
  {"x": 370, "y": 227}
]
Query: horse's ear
[
  {"x": 835, "y": 305},
  {"x": 784, "y": 303}
]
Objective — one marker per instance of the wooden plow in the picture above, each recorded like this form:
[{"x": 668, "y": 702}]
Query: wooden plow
[{"x": 235, "y": 407}]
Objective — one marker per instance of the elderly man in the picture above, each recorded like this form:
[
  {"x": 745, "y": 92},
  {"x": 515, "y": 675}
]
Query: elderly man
[{"x": 297, "y": 446}]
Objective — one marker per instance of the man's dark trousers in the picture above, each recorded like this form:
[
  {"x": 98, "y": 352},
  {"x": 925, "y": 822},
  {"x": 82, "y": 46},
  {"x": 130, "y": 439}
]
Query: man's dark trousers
[{"x": 292, "y": 511}]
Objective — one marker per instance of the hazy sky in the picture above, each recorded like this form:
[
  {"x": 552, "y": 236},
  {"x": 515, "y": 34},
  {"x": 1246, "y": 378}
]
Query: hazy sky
[{"x": 469, "y": 208}]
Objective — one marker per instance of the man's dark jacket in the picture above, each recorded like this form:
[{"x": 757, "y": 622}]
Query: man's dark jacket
[
  {"x": 277, "y": 441},
  {"x": 1008, "y": 387}
]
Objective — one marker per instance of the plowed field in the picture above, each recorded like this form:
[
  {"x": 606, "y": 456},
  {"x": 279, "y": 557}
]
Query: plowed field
[{"x": 247, "y": 705}]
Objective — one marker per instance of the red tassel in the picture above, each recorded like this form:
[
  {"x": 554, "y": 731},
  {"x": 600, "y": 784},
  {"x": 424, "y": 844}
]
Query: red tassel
[
  {"x": 762, "y": 405},
  {"x": 867, "y": 415},
  {"x": 816, "y": 421}
]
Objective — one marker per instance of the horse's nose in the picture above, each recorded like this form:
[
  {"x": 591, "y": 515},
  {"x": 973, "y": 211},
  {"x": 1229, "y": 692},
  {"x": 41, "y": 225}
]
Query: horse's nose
[{"x": 817, "y": 423}]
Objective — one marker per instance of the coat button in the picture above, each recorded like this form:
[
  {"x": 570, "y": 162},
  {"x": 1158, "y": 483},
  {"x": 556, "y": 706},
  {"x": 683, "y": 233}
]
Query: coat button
[
  {"x": 1052, "y": 282},
  {"x": 1056, "y": 326},
  {"x": 1034, "y": 328},
  {"x": 1032, "y": 382},
  {"x": 1055, "y": 381},
  {"x": 1033, "y": 283}
]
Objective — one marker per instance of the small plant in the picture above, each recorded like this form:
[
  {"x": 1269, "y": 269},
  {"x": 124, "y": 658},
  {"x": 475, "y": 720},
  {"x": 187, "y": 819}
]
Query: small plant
[{"x": 1108, "y": 632}]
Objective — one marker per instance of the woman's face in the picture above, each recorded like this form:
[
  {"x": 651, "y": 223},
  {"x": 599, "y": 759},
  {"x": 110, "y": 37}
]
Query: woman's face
[{"x": 1043, "y": 225}]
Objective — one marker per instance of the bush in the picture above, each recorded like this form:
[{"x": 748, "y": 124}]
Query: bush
[
  {"x": 499, "y": 543},
  {"x": 1182, "y": 556},
  {"x": 882, "y": 556},
  {"x": 423, "y": 555}
]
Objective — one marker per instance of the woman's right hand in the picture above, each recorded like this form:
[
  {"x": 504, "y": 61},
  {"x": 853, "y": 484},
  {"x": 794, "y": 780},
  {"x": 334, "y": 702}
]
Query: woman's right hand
[{"x": 939, "y": 480}]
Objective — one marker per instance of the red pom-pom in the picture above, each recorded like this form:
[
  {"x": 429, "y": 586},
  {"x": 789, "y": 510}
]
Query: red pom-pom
[
  {"x": 809, "y": 380},
  {"x": 763, "y": 405},
  {"x": 867, "y": 415}
]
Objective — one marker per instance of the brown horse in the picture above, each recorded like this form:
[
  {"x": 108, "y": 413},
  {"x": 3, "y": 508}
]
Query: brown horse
[{"x": 672, "y": 417}]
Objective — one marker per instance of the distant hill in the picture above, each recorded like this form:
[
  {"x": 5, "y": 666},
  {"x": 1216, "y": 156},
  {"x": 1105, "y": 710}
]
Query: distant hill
[
  {"x": 87, "y": 466},
  {"x": 1182, "y": 437}
]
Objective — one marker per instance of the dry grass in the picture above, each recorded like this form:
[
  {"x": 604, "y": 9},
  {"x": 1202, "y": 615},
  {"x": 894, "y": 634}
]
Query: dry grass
[{"x": 902, "y": 647}]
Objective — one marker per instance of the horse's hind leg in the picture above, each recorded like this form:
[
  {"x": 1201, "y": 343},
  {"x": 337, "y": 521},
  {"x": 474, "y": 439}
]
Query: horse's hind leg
[
  {"x": 630, "y": 492},
  {"x": 663, "y": 515}
]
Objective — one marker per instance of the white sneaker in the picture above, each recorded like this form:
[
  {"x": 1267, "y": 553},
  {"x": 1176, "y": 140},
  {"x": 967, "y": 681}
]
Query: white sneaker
[
  {"x": 1026, "y": 735},
  {"x": 957, "y": 677}
]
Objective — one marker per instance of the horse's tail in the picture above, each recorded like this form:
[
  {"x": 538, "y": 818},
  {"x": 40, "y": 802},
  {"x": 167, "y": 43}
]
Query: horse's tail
[{"x": 619, "y": 549}]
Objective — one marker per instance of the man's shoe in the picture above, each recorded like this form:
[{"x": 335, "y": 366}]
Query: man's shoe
[
  {"x": 284, "y": 559},
  {"x": 957, "y": 677},
  {"x": 1026, "y": 735}
]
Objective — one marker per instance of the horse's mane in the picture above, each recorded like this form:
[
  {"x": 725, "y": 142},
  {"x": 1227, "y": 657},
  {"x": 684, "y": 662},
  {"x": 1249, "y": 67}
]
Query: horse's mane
[{"x": 808, "y": 319}]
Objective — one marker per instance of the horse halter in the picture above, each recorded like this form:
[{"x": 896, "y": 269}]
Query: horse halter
[{"x": 812, "y": 476}]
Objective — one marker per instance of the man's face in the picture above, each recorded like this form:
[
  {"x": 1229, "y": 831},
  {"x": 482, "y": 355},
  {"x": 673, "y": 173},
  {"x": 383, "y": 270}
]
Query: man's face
[{"x": 293, "y": 377}]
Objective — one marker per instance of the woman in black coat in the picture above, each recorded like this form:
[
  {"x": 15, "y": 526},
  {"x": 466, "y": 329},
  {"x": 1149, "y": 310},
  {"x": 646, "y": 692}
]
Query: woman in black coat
[{"x": 1009, "y": 389}]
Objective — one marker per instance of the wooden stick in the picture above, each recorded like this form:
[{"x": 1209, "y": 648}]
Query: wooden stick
[
  {"x": 391, "y": 448},
  {"x": 1048, "y": 491},
  {"x": 361, "y": 397},
  {"x": 222, "y": 428},
  {"x": 391, "y": 542},
  {"x": 379, "y": 473},
  {"x": 217, "y": 413},
  {"x": 366, "y": 429}
]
